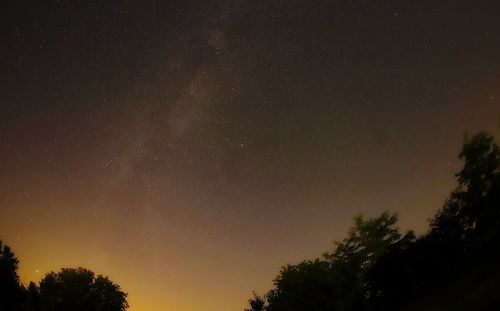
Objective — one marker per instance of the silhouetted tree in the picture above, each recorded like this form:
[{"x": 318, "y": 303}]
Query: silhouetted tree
[
  {"x": 11, "y": 292},
  {"x": 306, "y": 286},
  {"x": 337, "y": 281},
  {"x": 368, "y": 240},
  {"x": 108, "y": 296},
  {"x": 357, "y": 254},
  {"x": 472, "y": 213},
  {"x": 78, "y": 290},
  {"x": 377, "y": 268},
  {"x": 391, "y": 280},
  {"x": 256, "y": 303},
  {"x": 33, "y": 298}
]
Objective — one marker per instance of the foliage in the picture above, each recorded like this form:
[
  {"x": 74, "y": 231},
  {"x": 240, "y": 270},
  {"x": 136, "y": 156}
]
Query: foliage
[
  {"x": 78, "y": 290},
  {"x": 377, "y": 268},
  {"x": 69, "y": 289},
  {"x": 374, "y": 268},
  {"x": 256, "y": 303},
  {"x": 471, "y": 214},
  {"x": 10, "y": 290}
]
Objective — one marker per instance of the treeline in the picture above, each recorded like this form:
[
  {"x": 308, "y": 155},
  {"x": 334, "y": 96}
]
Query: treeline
[
  {"x": 454, "y": 266},
  {"x": 67, "y": 290}
]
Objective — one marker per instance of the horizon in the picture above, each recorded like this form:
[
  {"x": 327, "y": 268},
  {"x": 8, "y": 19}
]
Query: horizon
[{"x": 188, "y": 150}]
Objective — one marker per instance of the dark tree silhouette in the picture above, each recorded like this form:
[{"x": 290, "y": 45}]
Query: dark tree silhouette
[
  {"x": 306, "y": 286},
  {"x": 69, "y": 289},
  {"x": 336, "y": 281},
  {"x": 33, "y": 298},
  {"x": 472, "y": 214},
  {"x": 78, "y": 290},
  {"x": 256, "y": 303},
  {"x": 11, "y": 292},
  {"x": 452, "y": 266}
]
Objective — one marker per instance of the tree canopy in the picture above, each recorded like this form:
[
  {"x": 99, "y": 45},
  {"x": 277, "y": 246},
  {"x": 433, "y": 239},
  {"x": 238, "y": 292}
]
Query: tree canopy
[
  {"x": 376, "y": 267},
  {"x": 69, "y": 289},
  {"x": 79, "y": 290},
  {"x": 10, "y": 288}
]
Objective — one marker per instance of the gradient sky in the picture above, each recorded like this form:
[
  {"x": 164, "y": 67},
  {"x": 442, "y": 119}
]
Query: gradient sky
[{"x": 189, "y": 149}]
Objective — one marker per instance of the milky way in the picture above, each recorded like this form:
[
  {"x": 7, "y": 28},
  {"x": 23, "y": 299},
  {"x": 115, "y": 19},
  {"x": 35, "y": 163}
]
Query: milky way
[{"x": 188, "y": 150}]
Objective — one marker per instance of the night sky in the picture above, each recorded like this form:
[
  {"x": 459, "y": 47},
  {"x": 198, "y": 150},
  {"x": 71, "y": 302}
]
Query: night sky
[{"x": 188, "y": 150}]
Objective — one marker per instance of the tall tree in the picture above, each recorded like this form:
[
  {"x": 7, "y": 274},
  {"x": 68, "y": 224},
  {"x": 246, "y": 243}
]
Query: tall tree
[
  {"x": 472, "y": 213},
  {"x": 377, "y": 268},
  {"x": 367, "y": 241},
  {"x": 338, "y": 280},
  {"x": 11, "y": 293},
  {"x": 33, "y": 298}
]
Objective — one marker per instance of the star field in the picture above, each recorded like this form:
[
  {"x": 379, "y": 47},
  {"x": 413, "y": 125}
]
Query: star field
[{"x": 190, "y": 148}]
